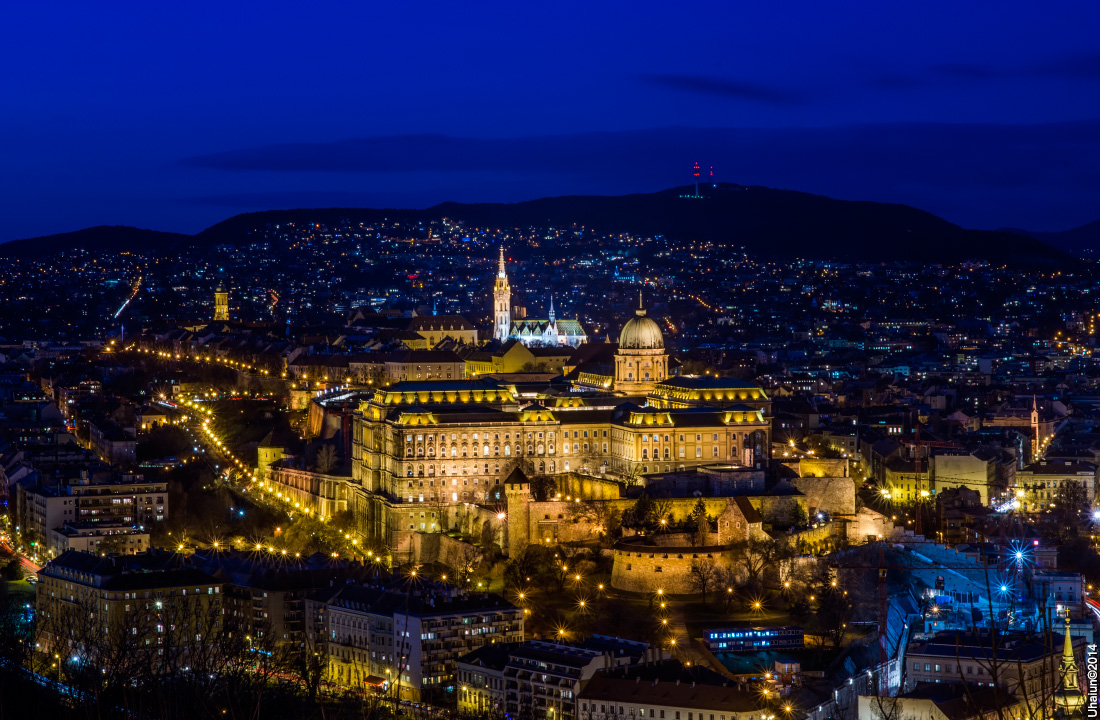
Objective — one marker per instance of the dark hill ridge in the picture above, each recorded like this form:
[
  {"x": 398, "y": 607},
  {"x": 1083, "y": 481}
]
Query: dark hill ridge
[
  {"x": 1083, "y": 240},
  {"x": 101, "y": 238},
  {"x": 773, "y": 224}
]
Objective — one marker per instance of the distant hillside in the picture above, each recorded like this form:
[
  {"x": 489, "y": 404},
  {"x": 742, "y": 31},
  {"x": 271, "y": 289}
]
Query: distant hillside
[
  {"x": 774, "y": 224},
  {"x": 102, "y": 238},
  {"x": 1079, "y": 240}
]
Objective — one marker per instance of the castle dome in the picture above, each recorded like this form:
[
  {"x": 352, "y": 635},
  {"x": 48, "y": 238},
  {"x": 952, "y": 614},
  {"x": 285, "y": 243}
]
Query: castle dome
[{"x": 641, "y": 333}]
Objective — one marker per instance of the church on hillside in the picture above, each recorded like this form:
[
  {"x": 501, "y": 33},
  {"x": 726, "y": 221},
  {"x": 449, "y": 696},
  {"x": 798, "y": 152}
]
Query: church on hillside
[{"x": 548, "y": 332}]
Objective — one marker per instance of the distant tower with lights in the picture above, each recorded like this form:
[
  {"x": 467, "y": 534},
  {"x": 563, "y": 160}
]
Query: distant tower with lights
[
  {"x": 1035, "y": 429},
  {"x": 697, "y": 179},
  {"x": 221, "y": 302},
  {"x": 502, "y": 302}
]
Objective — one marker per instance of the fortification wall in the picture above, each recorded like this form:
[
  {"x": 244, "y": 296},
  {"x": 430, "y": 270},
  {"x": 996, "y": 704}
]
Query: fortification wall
[
  {"x": 646, "y": 569},
  {"x": 833, "y": 495},
  {"x": 823, "y": 467},
  {"x": 424, "y": 548},
  {"x": 588, "y": 487}
]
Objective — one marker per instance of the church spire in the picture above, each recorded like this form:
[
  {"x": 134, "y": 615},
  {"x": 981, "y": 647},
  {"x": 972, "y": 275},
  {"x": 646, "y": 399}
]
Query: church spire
[
  {"x": 502, "y": 302},
  {"x": 1068, "y": 700},
  {"x": 1069, "y": 663},
  {"x": 551, "y": 309}
]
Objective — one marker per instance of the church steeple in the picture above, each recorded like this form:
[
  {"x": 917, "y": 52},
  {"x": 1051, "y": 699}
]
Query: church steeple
[
  {"x": 1038, "y": 442},
  {"x": 551, "y": 309},
  {"x": 1069, "y": 701},
  {"x": 502, "y": 302},
  {"x": 221, "y": 301}
]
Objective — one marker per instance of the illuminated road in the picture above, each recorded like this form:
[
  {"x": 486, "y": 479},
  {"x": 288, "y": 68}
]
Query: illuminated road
[
  {"x": 1094, "y": 606},
  {"x": 28, "y": 565},
  {"x": 137, "y": 286}
]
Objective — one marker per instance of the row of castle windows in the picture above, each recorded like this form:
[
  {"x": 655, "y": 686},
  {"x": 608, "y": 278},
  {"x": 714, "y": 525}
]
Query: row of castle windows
[{"x": 507, "y": 436}]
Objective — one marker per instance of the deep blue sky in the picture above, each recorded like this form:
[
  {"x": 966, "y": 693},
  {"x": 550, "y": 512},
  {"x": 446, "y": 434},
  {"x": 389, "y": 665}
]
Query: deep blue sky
[{"x": 176, "y": 115}]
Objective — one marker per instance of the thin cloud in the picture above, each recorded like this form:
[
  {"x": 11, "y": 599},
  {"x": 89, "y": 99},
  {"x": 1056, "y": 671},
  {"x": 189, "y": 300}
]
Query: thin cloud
[
  {"x": 1074, "y": 66},
  {"x": 1071, "y": 67},
  {"x": 896, "y": 82},
  {"x": 721, "y": 87},
  {"x": 966, "y": 71}
]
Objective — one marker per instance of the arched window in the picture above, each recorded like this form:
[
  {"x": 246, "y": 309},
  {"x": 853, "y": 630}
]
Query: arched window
[{"x": 507, "y": 450}]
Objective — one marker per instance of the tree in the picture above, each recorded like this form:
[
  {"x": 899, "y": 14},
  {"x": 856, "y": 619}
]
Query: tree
[
  {"x": 12, "y": 571},
  {"x": 703, "y": 575},
  {"x": 1068, "y": 504},
  {"x": 309, "y": 662},
  {"x": 543, "y": 487},
  {"x": 344, "y": 521},
  {"x": 605, "y": 520},
  {"x": 325, "y": 460},
  {"x": 519, "y": 570},
  {"x": 726, "y": 582},
  {"x": 755, "y": 556},
  {"x": 833, "y": 613},
  {"x": 640, "y": 514},
  {"x": 467, "y": 564},
  {"x": 558, "y": 565},
  {"x": 698, "y": 518},
  {"x": 799, "y": 518},
  {"x": 662, "y": 509}
]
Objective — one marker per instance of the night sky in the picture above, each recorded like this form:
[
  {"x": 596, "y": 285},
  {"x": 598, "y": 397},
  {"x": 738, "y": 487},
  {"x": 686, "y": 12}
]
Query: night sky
[{"x": 176, "y": 115}]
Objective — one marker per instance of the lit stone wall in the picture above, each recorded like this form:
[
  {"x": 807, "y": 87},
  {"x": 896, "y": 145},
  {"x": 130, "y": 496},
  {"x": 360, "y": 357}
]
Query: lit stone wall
[
  {"x": 833, "y": 495},
  {"x": 646, "y": 569}
]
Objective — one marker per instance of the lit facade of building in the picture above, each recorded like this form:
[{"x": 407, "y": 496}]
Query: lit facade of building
[
  {"x": 641, "y": 360},
  {"x": 149, "y": 603},
  {"x": 411, "y": 645}
]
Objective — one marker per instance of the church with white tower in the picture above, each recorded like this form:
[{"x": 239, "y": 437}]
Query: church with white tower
[{"x": 548, "y": 332}]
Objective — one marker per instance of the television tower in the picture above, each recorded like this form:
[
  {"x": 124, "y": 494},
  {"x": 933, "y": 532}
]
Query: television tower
[{"x": 697, "y": 178}]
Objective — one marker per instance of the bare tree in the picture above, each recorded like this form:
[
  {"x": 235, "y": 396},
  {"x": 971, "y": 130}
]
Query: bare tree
[
  {"x": 755, "y": 556},
  {"x": 703, "y": 576},
  {"x": 662, "y": 511},
  {"x": 325, "y": 461},
  {"x": 468, "y": 561}
]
